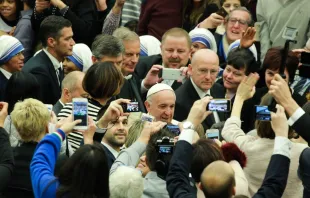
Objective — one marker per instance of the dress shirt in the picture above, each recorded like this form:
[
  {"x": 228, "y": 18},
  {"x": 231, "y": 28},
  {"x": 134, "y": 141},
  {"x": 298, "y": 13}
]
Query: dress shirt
[
  {"x": 200, "y": 92},
  {"x": 114, "y": 152},
  {"x": 282, "y": 146},
  {"x": 6, "y": 73},
  {"x": 296, "y": 115},
  {"x": 57, "y": 65}
]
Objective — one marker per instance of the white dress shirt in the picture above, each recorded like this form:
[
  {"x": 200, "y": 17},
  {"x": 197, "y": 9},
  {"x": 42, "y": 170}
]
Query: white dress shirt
[
  {"x": 6, "y": 73},
  {"x": 55, "y": 63}
]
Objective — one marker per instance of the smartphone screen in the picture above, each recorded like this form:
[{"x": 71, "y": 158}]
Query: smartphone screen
[
  {"x": 165, "y": 149},
  {"x": 174, "y": 129},
  {"x": 219, "y": 105},
  {"x": 80, "y": 112},
  {"x": 213, "y": 134},
  {"x": 262, "y": 113},
  {"x": 131, "y": 107}
]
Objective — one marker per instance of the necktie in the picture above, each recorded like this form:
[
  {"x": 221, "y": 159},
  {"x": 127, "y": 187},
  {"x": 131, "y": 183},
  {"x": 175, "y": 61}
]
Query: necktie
[{"x": 59, "y": 75}]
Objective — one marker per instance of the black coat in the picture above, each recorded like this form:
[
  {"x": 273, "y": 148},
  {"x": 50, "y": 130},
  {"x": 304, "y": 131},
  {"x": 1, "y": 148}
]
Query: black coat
[
  {"x": 42, "y": 68},
  {"x": 3, "y": 82},
  {"x": 110, "y": 156},
  {"x": 186, "y": 96},
  {"x": 145, "y": 64}
]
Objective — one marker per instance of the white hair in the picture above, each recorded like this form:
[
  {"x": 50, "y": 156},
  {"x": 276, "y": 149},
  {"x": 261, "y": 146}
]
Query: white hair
[{"x": 126, "y": 182}]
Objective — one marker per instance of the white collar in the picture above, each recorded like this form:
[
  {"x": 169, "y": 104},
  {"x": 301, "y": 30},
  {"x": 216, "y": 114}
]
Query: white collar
[
  {"x": 200, "y": 92},
  {"x": 6, "y": 73},
  {"x": 114, "y": 152},
  {"x": 55, "y": 62}
]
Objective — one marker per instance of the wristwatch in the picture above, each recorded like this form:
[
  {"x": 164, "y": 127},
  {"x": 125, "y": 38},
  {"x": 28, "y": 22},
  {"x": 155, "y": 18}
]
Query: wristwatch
[
  {"x": 100, "y": 130},
  {"x": 188, "y": 125}
]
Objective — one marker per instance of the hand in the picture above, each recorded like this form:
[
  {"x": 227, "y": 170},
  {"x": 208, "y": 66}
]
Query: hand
[
  {"x": 53, "y": 118},
  {"x": 3, "y": 112},
  {"x": 246, "y": 88},
  {"x": 185, "y": 74},
  {"x": 113, "y": 112},
  {"x": 89, "y": 133},
  {"x": 150, "y": 128},
  {"x": 101, "y": 5},
  {"x": 120, "y": 3},
  {"x": 279, "y": 122},
  {"x": 58, "y": 3},
  {"x": 280, "y": 91},
  {"x": 67, "y": 125},
  {"x": 11, "y": 33},
  {"x": 212, "y": 21},
  {"x": 199, "y": 111},
  {"x": 248, "y": 38},
  {"x": 152, "y": 76},
  {"x": 41, "y": 5}
]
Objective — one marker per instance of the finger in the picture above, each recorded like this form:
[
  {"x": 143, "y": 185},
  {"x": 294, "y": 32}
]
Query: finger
[
  {"x": 273, "y": 116},
  {"x": 4, "y": 106},
  {"x": 160, "y": 80},
  {"x": 216, "y": 16},
  {"x": 157, "y": 67},
  {"x": 75, "y": 122},
  {"x": 122, "y": 100},
  {"x": 277, "y": 77}
]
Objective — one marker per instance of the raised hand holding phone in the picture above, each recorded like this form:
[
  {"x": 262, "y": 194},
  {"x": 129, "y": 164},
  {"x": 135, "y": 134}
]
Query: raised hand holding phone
[
  {"x": 279, "y": 122},
  {"x": 3, "y": 112},
  {"x": 80, "y": 112}
]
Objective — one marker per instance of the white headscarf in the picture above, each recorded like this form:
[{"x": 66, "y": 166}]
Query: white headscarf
[
  {"x": 9, "y": 47},
  {"x": 149, "y": 45},
  {"x": 205, "y": 37},
  {"x": 81, "y": 56}
]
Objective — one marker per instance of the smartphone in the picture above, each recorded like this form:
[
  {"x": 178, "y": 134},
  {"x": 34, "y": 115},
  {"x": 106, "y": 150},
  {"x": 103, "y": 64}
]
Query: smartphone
[
  {"x": 290, "y": 33},
  {"x": 222, "y": 12},
  {"x": 262, "y": 113},
  {"x": 213, "y": 134},
  {"x": 131, "y": 107},
  {"x": 49, "y": 107},
  {"x": 147, "y": 117},
  {"x": 80, "y": 112},
  {"x": 219, "y": 105},
  {"x": 170, "y": 74},
  {"x": 174, "y": 129}
]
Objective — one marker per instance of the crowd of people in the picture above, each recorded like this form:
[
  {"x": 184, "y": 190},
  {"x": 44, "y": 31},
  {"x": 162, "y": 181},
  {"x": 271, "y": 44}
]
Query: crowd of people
[{"x": 148, "y": 70}]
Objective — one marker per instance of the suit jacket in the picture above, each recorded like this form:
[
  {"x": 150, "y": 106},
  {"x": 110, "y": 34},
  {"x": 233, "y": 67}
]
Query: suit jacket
[
  {"x": 304, "y": 171},
  {"x": 146, "y": 63},
  {"x": 57, "y": 107},
  {"x": 178, "y": 183},
  {"x": 132, "y": 90},
  {"x": 42, "y": 68},
  {"x": 110, "y": 156},
  {"x": 186, "y": 96},
  {"x": 276, "y": 177},
  {"x": 302, "y": 126},
  {"x": 3, "y": 82}
]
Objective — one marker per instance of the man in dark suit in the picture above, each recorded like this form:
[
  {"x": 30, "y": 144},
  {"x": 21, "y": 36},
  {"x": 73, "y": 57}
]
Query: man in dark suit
[
  {"x": 11, "y": 60},
  {"x": 115, "y": 138},
  {"x": 203, "y": 71},
  {"x": 219, "y": 174},
  {"x": 56, "y": 37},
  {"x": 71, "y": 88},
  {"x": 175, "y": 53},
  {"x": 111, "y": 48}
]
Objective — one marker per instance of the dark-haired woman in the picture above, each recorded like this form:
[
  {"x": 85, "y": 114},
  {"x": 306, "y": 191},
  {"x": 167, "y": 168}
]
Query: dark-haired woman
[
  {"x": 195, "y": 11},
  {"x": 9, "y": 15},
  {"x": 102, "y": 81}
]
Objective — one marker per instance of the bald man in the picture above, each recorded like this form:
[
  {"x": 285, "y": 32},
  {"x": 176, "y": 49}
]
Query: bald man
[
  {"x": 218, "y": 180},
  {"x": 203, "y": 72}
]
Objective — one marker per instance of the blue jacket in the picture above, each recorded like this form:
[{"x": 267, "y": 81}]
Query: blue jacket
[{"x": 42, "y": 166}]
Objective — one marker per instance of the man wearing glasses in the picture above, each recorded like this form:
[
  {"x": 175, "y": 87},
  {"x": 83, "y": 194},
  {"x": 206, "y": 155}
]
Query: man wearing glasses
[
  {"x": 235, "y": 23},
  {"x": 203, "y": 72}
]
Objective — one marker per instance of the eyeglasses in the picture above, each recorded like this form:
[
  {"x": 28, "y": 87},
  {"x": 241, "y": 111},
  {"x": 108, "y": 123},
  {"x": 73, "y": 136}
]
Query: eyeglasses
[
  {"x": 240, "y": 21},
  {"x": 213, "y": 72}
]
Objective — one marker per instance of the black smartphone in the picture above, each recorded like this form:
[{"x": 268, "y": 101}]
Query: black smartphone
[
  {"x": 131, "y": 107},
  {"x": 262, "y": 113},
  {"x": 174, "y": 129},
  {"x": 222, "y": 12},
  {"x": 219, "y": 105}
]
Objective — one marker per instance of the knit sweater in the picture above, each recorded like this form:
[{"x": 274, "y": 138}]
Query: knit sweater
[
  {"x": 259, "y": 152},
  {"x": 42, "y": 166}
]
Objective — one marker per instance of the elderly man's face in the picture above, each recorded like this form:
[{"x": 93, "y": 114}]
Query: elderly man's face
[
  {"x": 162, "y": 105},
  {"x": 175, "y": 52},
  {"x": 236, "y": 24}
]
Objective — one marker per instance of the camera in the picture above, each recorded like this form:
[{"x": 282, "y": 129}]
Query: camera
[{"x": 164, "y": 149}]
